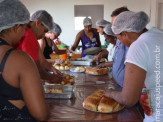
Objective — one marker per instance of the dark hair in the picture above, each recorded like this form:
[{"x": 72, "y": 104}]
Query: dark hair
[{"x": 117, "y": 11}]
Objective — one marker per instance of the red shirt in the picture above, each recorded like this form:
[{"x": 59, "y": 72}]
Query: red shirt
[{"x": 29, "y": 44}]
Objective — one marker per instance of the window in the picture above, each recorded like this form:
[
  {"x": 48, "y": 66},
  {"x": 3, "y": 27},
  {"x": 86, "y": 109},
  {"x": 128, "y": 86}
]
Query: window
[{"x": 93, "y": 12}]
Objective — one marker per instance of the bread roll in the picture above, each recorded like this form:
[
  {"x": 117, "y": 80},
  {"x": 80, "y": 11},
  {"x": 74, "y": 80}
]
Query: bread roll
[
  {"x": 96, "y": 102},
  {"x": 77, "y": 69},
  {"x": 67, "y": 68},
  {"x": 98, "y": 93},
  {"x": 107, "y": 105},
  {"x": 53, "y": 90},
  {"x": 61, "y": 67},
  {"x": 57, "y": 66},
  {"x": 82, "y": 69},
  {"x": 91, "y": 102}
]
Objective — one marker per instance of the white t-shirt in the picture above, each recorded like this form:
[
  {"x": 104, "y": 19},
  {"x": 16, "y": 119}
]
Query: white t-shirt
[
  {"x": 146, "y": 52},
  {"x": 111, "y": 49}
]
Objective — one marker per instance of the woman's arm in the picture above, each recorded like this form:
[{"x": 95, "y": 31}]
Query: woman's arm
[
  {"x": 103, "y": 54},
  {"x": 107, "y": 64},
  {"x": 31, "y": 87},
  {"x": 42, "y": 44},
  {"x": 77, "y": 40},
  {"x": 133, "y": 83},
  {"x": 97, "y": 37}
]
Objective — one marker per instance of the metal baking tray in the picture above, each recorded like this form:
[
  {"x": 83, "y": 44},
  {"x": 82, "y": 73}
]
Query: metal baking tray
[
  {"x": 80, "y": 61},
  {"x": 66, "y": 94}
]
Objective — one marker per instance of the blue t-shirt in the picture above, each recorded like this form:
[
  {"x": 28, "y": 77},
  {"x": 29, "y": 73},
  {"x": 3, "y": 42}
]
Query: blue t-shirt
[{"x": 118, "y": 62}]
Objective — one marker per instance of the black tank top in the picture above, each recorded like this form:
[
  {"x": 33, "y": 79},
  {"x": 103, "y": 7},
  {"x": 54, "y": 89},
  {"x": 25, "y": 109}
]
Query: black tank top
[
  {"x": 7, "y": 91},
  {"x": 9, "y": 112},
  {"x": 48, "y": 50}
]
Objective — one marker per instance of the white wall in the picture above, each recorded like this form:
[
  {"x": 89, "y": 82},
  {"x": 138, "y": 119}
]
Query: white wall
[{"x": 63, "y": 12}]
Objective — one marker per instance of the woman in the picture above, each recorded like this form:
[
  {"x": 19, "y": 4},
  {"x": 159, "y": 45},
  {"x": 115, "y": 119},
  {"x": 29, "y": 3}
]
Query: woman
[
  {"x": 110, "y": 38},
  {"x": 100, "y": 25},
  {"x": 89, "y": 38},
  {"x": 142, "y": 63},
  {"x": 47, "y": 44},
  {"x": 21, "y": 93}
]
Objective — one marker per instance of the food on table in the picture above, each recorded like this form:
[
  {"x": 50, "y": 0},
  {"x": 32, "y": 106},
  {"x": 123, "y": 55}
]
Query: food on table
[
  {"x": 68, "y": 79},
  {"x": 80, "y": 69},
  {"x": 54, "y": 90},
  {"x": 96, "y": 102},
  {"x": 97, "y": 71},
  {"x": 107, "y": 105},
  {"x": 92, "y": 101},
  {"x": 65, "y": 66}
]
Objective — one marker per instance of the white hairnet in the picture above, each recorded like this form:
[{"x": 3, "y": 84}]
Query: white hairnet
[
  {"x": 44, "y": 16},
  {"x": 130, "y": 22},
  {"x": 87, "y": 21},
  {"x": 108, "y": 30},
  {"x": 12, "y": 12},
  {"x": 56, "y": 29},
  {"x": 102, "y": 22}
]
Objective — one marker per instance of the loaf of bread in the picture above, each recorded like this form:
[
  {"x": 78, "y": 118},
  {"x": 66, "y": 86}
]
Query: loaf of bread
[
  {"x": 91, "y": 102},
  {"x": 107, "y": 105},
  {"x": 97, "y": 102},
  {"x": 96, "y": 71}
]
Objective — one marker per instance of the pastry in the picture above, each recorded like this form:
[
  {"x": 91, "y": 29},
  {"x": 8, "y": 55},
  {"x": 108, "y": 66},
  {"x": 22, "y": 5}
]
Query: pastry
[
  {"x": 107, "y": 105},
  {"x": 53, "y": 90},
  {"x": 96, "y": 71},
  {"x": 77, "y": 69},
  {"x": 65, "y": 66},
  {"x": 91, "y": 102},
  {"x": 68, "y": 80},
  {"x": 57, "y": 66},
  {"x": 80, "y": 69}
]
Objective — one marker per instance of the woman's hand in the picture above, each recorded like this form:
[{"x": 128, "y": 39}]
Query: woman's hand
[
  {"x": 70, "y": 51},
  {"x": 57, "y": 72},
  {"x": 59, "y": 61},
  {"x": 108, "y": 92},
  {"x": 96, "y": 58},
  {"x": 102, "y": 65}
]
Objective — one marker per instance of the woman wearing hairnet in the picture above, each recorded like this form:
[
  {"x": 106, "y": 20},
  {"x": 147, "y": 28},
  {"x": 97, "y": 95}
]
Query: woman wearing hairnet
[
  {"x": 142, "y": 63},
  {"x": 89, "y": 38},
  {"x": 47, "y": 44},
  {"x": 40, "y": 23},
  {"x": 100, "y": 25},
  {"x": 21, "y": 93},
  {"x": 111, "y": 38}
]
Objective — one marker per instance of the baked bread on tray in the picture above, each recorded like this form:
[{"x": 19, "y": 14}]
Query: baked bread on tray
[
  {"x": 98, "y": 103},
  {"x": 96, "y": 71}
]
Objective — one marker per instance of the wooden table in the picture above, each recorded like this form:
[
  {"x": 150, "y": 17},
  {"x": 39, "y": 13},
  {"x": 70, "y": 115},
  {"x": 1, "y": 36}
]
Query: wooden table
[{"x": 72, "y": 110}]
